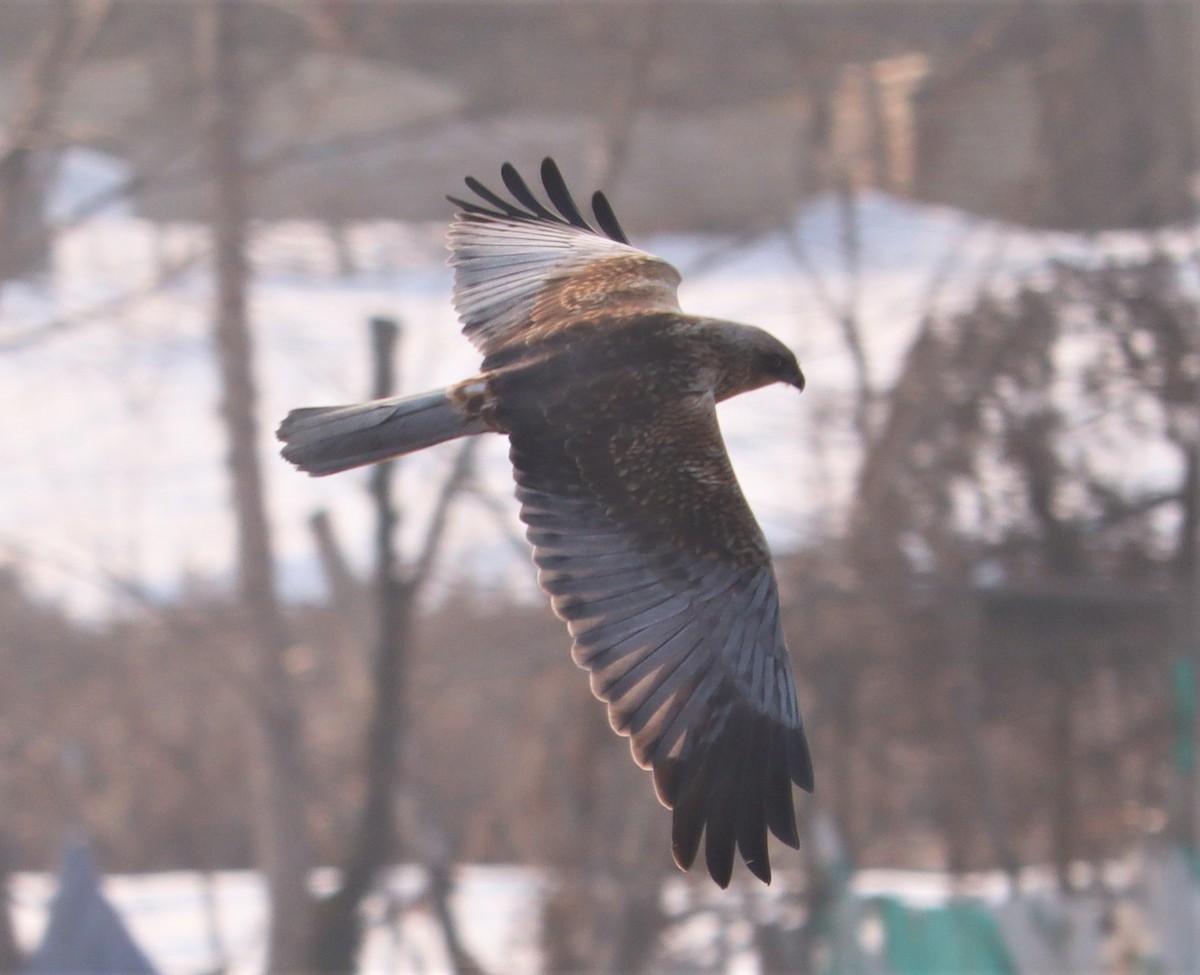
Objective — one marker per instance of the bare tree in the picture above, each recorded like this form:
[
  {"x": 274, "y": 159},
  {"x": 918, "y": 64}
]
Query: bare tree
[
  {"x": 52, "y": 63},
  {"x": 283, "y": 843},
  {"x": 336, "y": 936}
]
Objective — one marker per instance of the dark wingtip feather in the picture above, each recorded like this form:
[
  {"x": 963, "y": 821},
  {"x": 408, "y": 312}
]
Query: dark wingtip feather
[
  {"x": 501, "y": 204},
  {"x": 687, "y": 825},
  {"x": 782, "y": 822},
  {"x": 688, "y": 783},
  {"x": 720, "y": 836},
  {"x": 759, "y": 866},
  {"x": 720, "y": 864},
  {"x": 733, "y": 795},
  {"x": 468, "y": 207},
  {"x": 560, "y": 196},
  {"x": 523, "y": 194},
  {"x": 534, "y": 209},
  {"x": 800, "y": 764},
  {"x": 607, "y": 219},
  {"x": 780, "y": 811},
  {"x": 752, "y": 801}
]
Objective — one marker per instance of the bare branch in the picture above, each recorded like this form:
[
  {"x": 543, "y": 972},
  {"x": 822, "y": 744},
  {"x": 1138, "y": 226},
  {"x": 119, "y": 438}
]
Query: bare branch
[
  {"x": 110, "y": 307},
  {"x": 456, "y": 482},
  {"x": 54, "y": 61}
]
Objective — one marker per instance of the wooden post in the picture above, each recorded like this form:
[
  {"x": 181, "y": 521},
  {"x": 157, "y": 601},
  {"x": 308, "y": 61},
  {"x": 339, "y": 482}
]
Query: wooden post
[{"x": 392, "y": 636}]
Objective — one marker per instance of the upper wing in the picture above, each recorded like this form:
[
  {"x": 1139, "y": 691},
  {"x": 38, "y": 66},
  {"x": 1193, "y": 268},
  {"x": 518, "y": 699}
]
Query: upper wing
[
  {"x": 650, "y": 552},
  {"x": 522, "y": 269}
]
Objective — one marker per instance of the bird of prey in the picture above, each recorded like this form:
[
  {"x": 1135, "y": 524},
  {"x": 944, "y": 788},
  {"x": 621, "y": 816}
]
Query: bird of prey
[{"x": 607, "y": 392}]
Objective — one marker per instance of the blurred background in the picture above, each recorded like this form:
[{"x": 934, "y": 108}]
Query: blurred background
[{"x": 332, "y": 725}]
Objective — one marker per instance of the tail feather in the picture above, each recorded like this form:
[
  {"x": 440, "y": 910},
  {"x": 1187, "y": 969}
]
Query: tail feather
[{"x": 327, "y": 439}]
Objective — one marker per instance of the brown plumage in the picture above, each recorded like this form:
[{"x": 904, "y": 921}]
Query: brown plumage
[{"x": 642, "y": 537}]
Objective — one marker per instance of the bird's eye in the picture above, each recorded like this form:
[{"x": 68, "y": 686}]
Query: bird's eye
[{"x": 776, "y": 362}]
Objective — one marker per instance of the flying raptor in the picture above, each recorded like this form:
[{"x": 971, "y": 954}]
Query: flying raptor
[{"x": 607, "y": 392}]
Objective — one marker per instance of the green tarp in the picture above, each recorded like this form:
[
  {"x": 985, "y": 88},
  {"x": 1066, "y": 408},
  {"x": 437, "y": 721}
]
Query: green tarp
[
  {"x": 1183, "y": 686},
  {"x": 958, "y": 938}
]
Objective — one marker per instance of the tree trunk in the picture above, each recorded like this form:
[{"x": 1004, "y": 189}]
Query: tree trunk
[
  {"x": 337, "y": 934},
  {"x": 283, "y": 849},
  {"x": 1063, "y": 815},
  {"x": 11, "y": 959}
]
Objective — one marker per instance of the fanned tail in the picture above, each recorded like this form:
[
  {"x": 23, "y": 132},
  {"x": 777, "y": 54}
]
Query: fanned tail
[{"x": 327, "y": 439}]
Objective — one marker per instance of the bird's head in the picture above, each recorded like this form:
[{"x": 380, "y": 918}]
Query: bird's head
[{"x": 751, "y": 358}]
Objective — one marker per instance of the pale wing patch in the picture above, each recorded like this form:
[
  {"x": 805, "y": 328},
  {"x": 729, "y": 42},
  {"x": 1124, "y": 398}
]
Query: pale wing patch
[{"x": 520, "y": 264}]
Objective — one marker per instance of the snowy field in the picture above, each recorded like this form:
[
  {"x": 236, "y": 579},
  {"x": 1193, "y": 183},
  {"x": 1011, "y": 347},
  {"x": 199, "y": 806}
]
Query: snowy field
[
  {"x": 1144, "y": 913},
  {"x": 188, "y": 922},
  {"x": 114, "y": 454}
]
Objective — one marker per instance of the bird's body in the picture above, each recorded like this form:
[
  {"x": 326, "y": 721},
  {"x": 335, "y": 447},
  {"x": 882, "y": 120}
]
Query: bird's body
[{"x": 642, "y": 537}]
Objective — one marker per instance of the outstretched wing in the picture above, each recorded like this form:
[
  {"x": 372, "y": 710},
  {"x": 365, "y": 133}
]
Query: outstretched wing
[
  {"x": 646, "y": 544},
  {"x": 523, "y": 270}
]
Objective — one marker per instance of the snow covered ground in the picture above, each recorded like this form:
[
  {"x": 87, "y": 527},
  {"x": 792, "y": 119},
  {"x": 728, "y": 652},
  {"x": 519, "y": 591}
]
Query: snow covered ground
[
  {"x": 1145, "y": 913},
  {"x": 114, "y": 454},
  {"x": 189, "y": 922}
]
